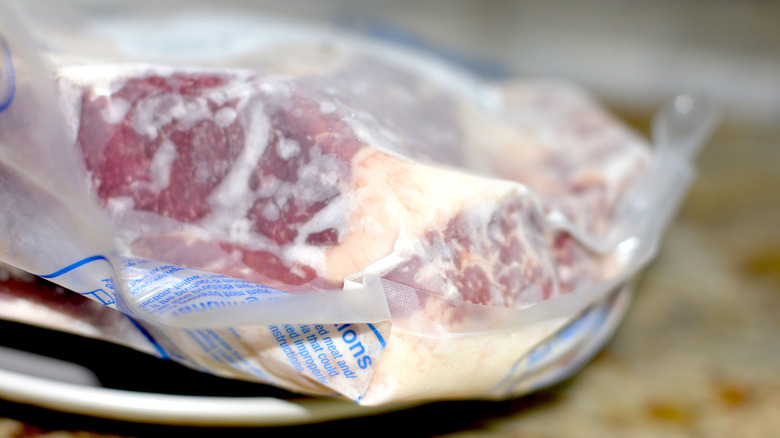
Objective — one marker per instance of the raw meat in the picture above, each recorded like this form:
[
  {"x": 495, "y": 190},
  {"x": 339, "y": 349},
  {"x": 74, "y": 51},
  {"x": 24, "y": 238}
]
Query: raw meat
[
  {"x": 297, "y": 183},
  {"x": 301, "y": 179}
]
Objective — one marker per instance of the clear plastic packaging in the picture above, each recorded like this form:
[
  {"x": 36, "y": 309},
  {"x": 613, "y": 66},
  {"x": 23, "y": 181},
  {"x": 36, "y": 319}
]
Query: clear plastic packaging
[{"x": 330, "y": 214}]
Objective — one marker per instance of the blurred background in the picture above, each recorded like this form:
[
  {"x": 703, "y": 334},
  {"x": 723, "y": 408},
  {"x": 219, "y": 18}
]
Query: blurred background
[
  {"x": 629, "y": 52},
  {"x": 633, "y": 53},
  {"x": 698, "y": 352}
]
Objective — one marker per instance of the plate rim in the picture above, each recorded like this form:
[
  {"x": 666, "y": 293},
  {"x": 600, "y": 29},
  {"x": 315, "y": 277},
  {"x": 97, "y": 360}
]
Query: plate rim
[{"x": 174, "y": 409}]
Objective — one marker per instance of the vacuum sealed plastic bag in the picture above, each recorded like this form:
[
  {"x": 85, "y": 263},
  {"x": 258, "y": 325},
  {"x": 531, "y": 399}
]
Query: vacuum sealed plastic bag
[{"x": 327, "y": 214}]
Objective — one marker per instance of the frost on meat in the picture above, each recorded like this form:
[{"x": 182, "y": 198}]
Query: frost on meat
[
  {"x": 301, "y": 180},
  {"x": 297, "y": 182}
]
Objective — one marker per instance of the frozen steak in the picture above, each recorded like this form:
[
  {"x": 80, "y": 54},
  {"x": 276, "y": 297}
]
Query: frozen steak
[
  {"x": 307, "y": 178},
  {"x": 299, "y": 182}
]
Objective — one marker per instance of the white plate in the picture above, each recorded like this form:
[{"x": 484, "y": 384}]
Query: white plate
[
  {"x": 41, "y": 380},
  {"x": 63, "y": 386},
  {"x": 175, "y": 409}
]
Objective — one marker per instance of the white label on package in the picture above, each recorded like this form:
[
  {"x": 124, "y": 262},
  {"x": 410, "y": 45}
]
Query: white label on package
[
  {"x": 341, "y": 356},
  {"x": 338, "y": 356}
]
